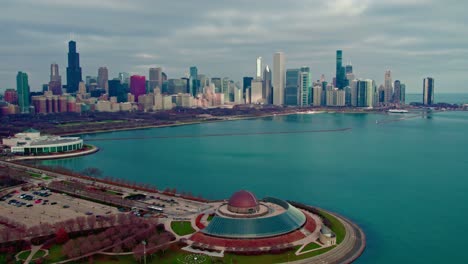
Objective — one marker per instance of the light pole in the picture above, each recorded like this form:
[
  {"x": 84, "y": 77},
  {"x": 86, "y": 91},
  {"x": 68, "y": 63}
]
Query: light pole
[{"x": 144, "y": 251}]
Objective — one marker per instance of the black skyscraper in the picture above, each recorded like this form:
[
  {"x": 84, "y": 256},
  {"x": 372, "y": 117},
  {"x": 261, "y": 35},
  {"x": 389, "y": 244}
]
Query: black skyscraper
[{"x": 73, "y": 69}]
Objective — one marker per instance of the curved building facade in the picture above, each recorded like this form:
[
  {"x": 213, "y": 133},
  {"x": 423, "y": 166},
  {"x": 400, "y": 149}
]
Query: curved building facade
[
  {"x": 282, "y": 218},
  {"x": 31, "y": 142}
]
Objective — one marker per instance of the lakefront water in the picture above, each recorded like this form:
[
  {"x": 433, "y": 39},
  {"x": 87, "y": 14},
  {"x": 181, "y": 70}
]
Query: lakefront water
[{"x": 403, "y": 181}]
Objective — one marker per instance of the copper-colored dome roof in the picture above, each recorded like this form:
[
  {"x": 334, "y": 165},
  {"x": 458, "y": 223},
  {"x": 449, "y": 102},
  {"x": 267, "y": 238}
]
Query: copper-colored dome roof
[{"x": 243, "y": 199}]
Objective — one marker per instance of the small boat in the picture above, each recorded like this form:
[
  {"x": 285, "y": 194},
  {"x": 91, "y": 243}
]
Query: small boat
[{"x": 398, "y": 111}]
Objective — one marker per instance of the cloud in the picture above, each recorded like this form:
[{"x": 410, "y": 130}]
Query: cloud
[{"x": 414, "y": 38}]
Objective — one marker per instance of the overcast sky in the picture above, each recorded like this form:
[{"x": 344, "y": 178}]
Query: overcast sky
[{"x": 413, "y": 38}]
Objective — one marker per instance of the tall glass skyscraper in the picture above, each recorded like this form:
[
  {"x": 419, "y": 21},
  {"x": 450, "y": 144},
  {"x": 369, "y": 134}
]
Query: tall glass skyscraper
[
  {"x": 428, "y": 91},
  {"x": 340, "y": 70},
  {"x": 22, "y": 87},
  {"x": 74, "y": 76},
  {"x": 291, "y": 91}
]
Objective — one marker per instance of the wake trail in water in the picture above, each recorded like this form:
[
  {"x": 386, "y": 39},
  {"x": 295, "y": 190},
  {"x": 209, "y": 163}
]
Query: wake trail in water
[{"x": 222, "y": 134}]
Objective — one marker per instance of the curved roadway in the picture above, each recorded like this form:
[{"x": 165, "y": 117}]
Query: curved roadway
[{"x": 347, "y": 251}]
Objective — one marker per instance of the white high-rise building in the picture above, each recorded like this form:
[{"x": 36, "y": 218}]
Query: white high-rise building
[
  {"x": 258, "y": 73},
  {"x": 256, "y": 92},
  {"x": 279, "y": 74}
]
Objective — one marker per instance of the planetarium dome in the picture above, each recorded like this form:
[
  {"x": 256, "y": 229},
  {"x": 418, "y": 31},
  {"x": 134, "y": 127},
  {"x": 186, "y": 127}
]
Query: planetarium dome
[{"x": 243, "y": 202}]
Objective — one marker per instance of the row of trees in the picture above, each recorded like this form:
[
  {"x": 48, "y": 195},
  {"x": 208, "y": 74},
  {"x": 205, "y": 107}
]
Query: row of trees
[{"x": 122, "y": 238}]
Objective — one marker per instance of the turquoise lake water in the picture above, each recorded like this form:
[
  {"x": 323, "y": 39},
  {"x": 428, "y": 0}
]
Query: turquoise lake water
[{"x": 403, "y": 181}]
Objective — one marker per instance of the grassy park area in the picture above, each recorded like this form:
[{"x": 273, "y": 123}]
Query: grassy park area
[
  {"x": 336, "y": 226},
  {"x": 311, "y": 246},
  {"x": 182, "y": 228}
]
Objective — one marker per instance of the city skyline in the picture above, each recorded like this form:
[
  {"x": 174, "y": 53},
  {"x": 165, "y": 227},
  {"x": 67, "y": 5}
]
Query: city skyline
[{"x": 372, "y": 49}]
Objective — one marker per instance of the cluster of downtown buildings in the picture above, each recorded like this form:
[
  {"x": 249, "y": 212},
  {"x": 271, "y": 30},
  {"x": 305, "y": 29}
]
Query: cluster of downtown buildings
[{"x": 281, "y": 87}]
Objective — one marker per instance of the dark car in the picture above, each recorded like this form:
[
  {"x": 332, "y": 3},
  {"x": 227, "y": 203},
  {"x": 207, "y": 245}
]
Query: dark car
[
  {"x": 53, "y": 203},
  {"x": 29, "y": 205},
  {"x": 66, "y": 206}
]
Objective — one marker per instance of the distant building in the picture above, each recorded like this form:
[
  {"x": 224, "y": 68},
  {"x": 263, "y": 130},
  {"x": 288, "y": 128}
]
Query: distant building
[
  {"x": 402, "y": 93},
  {"x": 103, "y": 78},
  {"x": 55, "y": 83},
  {"x": 256, "y": 92},
  {"x": 428, "y": 91},
  {"x": 117, "y": 89},
  {"x": 124, "y": 77},
  {"x": 22, "y": 88},
  {"x": 397, "y": 92},
  {"x": 279, "y": 75},
  {"x": 258, "y": 72},
  {"x": 340, "y": 79},
  {"x": 317, "y": 91},
  {"x": 291, "y": 91},
  {"x": 267, "y": 91},
  {"x": 155, "y": 79},
  {"x": 176, "y": 86},
  {"x": 336, "y": 97},
  {"x": 74, "y": 76},
  {"x": 388, "y": 88},
  {"x": 247, "y": 84},
  {"x": 305, "y": 87},
  {"x": 137, "y": 85},
  {"x": 11, "y": 96}
]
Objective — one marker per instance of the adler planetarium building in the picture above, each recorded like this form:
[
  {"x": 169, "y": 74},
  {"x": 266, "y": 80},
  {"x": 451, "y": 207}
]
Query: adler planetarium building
[{"x": 244, "y": 221}]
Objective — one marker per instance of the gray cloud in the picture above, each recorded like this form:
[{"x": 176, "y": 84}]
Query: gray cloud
[{"x": 413, "y": 38}]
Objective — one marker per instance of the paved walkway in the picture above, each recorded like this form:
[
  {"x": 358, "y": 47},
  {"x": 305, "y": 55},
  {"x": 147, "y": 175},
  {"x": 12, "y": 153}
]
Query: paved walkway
[{"x": 34, "y": 250}]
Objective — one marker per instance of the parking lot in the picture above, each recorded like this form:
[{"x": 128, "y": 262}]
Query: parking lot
[{"x": 35, "y": 207}]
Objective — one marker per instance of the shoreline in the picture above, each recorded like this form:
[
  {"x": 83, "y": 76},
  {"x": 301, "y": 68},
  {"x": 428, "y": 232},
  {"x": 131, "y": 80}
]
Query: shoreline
[{"x": 236, "y": 118}]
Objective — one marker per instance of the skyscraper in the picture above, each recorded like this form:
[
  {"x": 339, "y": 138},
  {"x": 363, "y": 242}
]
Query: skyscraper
[
  {"x": 155, "y": 78},
  {"x": 402, "y": 93},
  {"x": 124, "y": 77},
  {"x": 388, "y": 88},
  {"x": 11, "y": 96},
  {"x": 103, "y": 78},
  {"x": 267, "y": 89},
  {"x": 194, "y": 72},
  {"x": 305, "y": 87},
  {"x": 340, "y": 78},
  {"x": 247, "y": 84},
  {"x": 397, "y": 92},
  {"x": 428, "y": 91},
  {"x": 258, "y": 73},
  {"x": 22, "y": 87},
  {"x": 279, "y": 74},
  {"x": 73, "y": 70},
  {"x": 291, "y": 91},
  {"x": 137, "y": 86},
  {"x": 55, "y": 83}
]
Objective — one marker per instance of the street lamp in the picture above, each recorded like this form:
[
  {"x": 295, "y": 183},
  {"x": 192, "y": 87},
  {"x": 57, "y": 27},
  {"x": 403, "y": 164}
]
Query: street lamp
[{"x": 144, "y": 251}]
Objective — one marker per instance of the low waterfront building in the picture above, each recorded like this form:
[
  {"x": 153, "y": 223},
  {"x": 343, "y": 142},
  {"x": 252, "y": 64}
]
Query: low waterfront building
[
  {"x": 327, "y": 237},
  {"x": 32, "y": 142}
]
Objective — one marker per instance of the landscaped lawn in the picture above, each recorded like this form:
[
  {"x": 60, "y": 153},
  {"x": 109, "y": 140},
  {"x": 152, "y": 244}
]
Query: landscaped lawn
[
  {"x": 39, "y": 176},
  {"x": 55, "y": 254},
  {"x": 39, "y": 254},
  {"x": 273, "y": 258},
  {"x": 182, "y": 228},
  {"x": 24, "y": 255},
  {"x": 209, "y": 218},
  {"x": 311, "y": 246},
  {"x": 336, "y": 226}
]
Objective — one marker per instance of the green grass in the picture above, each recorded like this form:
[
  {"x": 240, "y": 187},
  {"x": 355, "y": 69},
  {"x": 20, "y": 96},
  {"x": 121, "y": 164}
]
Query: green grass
[
  {"x": 336, "y": 226},
  {"x": 273, "y": 258},
  {"x": 113, "y": 192},
  {"x": 24, "y": 255},
  {"x": 55, "y": 254},
  {"x": 39, "y": 254},
  {"x": 39, "y": 176},
  {"x": 209, "y": 218},
  {"x": 182, "y": 228},
  {"x": 311, "y": 246}
]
